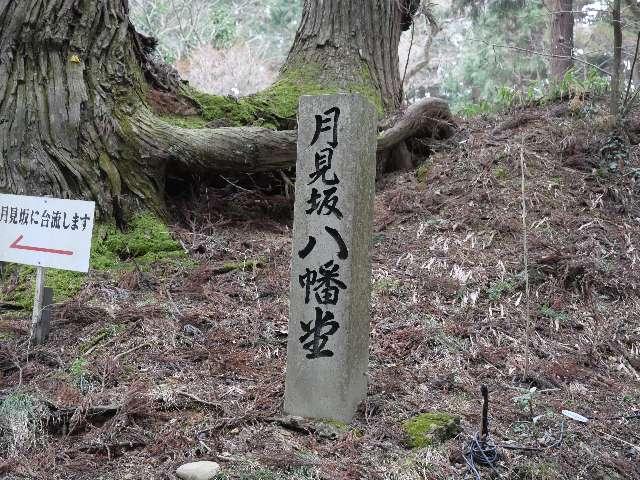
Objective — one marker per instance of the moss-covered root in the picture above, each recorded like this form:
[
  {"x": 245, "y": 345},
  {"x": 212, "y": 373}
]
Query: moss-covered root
[
  {"x": 275, "y": 107},
  {"x": 242, "y": 266},
  {"x": 431, "y": 428}
]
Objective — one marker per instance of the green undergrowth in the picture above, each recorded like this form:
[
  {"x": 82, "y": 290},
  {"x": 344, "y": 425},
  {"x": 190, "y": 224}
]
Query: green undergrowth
[
  {"x": 499, "y": 289},
  {"x": 573, "y": 85},
  {"x": 146, "y": 242},
  {"x": 275, "y": 107}
]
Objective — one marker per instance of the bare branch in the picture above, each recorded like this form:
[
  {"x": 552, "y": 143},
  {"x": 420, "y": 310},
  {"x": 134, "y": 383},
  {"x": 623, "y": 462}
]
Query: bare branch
[{"x": 549, "y": 55}]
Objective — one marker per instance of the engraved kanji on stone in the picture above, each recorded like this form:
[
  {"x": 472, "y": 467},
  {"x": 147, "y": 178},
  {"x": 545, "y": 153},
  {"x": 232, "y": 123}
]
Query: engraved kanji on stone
[
  {"x": 328, "y": 121},
  {"x": 324, "y": 203},
  {"x": 323, "y": 167},
  {"x": 322, "y": 329}
]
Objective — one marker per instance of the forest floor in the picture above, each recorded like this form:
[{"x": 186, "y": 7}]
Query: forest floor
[{"x": 153, "y": 367}]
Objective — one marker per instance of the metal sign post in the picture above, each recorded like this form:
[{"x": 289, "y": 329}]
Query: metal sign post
[{"x": 40, "y": 321}]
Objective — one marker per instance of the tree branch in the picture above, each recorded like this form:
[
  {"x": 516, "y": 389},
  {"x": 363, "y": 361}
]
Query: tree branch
[
  {"x": 634, "y": 7},
  {"x": 549, "y": 55}
]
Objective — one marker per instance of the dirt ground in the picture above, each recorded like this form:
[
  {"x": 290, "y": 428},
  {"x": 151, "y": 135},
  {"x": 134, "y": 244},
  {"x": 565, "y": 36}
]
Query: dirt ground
[{"x": 155, "y": 367}]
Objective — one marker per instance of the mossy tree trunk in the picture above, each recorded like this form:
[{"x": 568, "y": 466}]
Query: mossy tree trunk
[
  {"x": 74, "y": 118},
  {"x": 354, "y": 45},
  {"x": 69, "y": 75},
  {"x": 77, "y": 82}
]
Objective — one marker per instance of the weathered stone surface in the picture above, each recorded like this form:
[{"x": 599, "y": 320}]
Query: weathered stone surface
[
  {"x": 203, "y": 470},
  {"x": 331, "y": 270}
]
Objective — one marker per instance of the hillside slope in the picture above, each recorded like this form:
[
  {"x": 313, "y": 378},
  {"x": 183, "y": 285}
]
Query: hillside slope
[{"x": 179, "y": 361}]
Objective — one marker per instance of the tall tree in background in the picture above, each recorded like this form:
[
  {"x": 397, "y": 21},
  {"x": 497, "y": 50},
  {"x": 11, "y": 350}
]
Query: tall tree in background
[
  {"x": 481, "y": 72},
  {"x": 81, "y": 94},
  {"x": 561, "y": 37},
  {"x": 616, "y": 73}
]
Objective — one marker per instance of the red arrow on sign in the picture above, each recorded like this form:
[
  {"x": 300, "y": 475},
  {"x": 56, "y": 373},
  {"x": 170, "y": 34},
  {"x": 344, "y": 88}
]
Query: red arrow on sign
[{"x": 37, "y": 249}]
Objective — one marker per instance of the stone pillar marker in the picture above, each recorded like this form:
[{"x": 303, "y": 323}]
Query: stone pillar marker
[{"x": 328, "y": 341}]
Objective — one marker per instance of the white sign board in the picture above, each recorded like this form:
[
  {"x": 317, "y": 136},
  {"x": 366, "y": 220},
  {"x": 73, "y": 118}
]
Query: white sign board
[{"x": 46, "y": 232}]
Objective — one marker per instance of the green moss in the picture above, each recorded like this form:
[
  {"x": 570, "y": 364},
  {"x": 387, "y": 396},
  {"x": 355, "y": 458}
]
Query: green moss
[
  {"x": 422, "y": 172},
  {"x": 191, "y": 121},
  {"x": 366, "y": 88},
  {"x": 337, "y": 424},
  {"x": 277, "y": 106},
  {"x": 268, "y": 108},
  {"x": 146, "y": 241},
  {"x": 237, "y": 112},
  {"x": 146, "y": 238},
  {"x": 429, "y": 428},
  {"x": 243, "y": 265}
]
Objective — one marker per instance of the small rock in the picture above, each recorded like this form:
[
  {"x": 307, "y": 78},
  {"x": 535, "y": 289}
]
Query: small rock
[
  {"x": 198, "y": 470},
  {"x": 191, "y": 330}
]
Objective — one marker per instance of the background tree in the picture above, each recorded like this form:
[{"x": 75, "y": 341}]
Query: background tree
[
  {"x": 616, "y": 23},
  {"x": 561, "y": 37},
  {"x": 179, "y": 26},
  {"x": 489, "y": 66}
]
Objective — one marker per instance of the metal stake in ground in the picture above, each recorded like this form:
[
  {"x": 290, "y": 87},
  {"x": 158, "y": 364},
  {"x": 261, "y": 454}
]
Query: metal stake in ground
[{"x": 327, "y": 352}]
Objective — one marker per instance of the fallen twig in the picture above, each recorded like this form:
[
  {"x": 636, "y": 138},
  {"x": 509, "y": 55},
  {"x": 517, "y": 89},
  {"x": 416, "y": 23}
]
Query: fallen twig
[
  {"x": 199, "y": 400},
  {"x": 635, "y": 447},
  {"x": 131, "y": 350}
]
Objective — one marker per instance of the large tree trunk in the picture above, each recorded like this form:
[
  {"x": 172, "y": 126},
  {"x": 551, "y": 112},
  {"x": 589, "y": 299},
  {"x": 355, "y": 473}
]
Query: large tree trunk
[
  {"x": 71, "y": 75},
  {"x": 561, "y": 37},
  {"x": 354, "y": 45},
  {"x": 76, "y": 82}
]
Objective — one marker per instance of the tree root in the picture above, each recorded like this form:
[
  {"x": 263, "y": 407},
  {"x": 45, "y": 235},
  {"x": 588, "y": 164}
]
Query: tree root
[{"x": 230, "y": 150}]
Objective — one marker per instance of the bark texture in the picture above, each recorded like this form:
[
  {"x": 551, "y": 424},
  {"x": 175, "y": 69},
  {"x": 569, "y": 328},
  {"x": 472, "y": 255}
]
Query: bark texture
[
  {"x": 561, "y": 37},
  {"x": 74, "y": 120},
  {"x": 354, "y": 44},
  {"x": 69, "y": 77}
]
